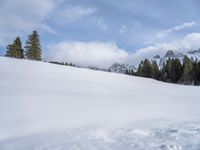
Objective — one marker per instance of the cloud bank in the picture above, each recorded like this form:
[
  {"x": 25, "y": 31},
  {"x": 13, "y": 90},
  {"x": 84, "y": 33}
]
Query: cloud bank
[
  {"x": 103, "y": 55},
  {"x": 187, "y": 43},
  {"x": 93, "y": 54}
]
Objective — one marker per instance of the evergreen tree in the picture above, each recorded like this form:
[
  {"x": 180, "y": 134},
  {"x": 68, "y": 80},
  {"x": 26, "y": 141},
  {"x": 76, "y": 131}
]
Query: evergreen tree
[
  {"x": 132, "y": 72},
  {"x": 198, "y": 73},
  {"x": 15, "y": 50},
  {"x": 145, "y": 69},
  {"x": 178, "y": 69},
  {"x": 168, "y": 70},
  {"x": 164, "y": 74},
  {"x": 172, "y": 70},
  {"x": 19, "y": 52},
  {"x": 188, "y": 71},
  {"x": 140, "y": 70},
  {"x": 33, "y": 48},
  {"x": 155, "y": 70},
  {"x": 127, "y": 72},
  {"x": 9, "y": 51}
]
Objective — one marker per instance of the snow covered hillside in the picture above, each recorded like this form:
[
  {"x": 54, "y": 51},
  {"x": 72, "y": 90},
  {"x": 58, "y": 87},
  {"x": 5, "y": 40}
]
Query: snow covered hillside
[{"x": 51, "y": 107}]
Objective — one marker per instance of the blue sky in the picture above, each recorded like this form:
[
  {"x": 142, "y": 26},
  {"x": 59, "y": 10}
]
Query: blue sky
[{"x": 129, "y": 29}]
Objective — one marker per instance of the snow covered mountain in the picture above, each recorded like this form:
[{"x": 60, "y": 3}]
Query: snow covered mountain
[
  {"x": 121, "y": 68},
  {"x": 46, "y": 106},
  {"x": 195, "y": 54}
]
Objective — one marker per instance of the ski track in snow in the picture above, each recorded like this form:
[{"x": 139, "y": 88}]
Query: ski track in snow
[{"x": 50, "y": 107}]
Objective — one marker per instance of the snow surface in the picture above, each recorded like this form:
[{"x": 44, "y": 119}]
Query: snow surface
[{"x": 51, "y": 107}]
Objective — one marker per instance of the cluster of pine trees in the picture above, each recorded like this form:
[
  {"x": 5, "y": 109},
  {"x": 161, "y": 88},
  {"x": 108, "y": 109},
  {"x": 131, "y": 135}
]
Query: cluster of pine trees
[
  {"x": 62, "y": 63},
  {"x": 32, "y": 48},
  {"x": 173, "y": 71},
  {"x": 130, "y": 72}
]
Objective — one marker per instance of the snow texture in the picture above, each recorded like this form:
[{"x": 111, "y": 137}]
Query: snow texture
[{"x": 51, "y": 107}]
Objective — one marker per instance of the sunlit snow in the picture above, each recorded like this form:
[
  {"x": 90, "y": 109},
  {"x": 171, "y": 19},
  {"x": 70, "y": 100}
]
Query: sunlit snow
[{"x": 51, "y": 107}]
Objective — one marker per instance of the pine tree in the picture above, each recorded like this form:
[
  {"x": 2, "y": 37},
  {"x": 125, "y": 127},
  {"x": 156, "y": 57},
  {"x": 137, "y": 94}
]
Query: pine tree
[
  {"x": 178, "y": 69},
  {"x": 164, "y": 74},
  {"x": 140, "y": 71},
  {"x": 155, "y": 70},
  {"x": 147, "y": 69},
  {"x": 172, "y": 71},
  {"x": 127, "y": 72},
  {"x": 132, "y": 72},
  {"x": 15, "y": 50},
  {"x": 33, "y": 48},
  {"x": 198, "y": 73},
  {"x": 168, "y": 69},
  {"x": 187, "y": 71},
  {"x": 195, "y": 72},
  {"x": 9, "y": 51},
  {"x": 19, "y": 52}
]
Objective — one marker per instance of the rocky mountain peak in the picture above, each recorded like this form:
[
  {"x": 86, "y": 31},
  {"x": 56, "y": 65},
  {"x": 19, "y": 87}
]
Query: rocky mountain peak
[
  {"x": 170, "y": 54},
  {"x": 121, "y": 68},
  {"x": 157, "y": 57}
]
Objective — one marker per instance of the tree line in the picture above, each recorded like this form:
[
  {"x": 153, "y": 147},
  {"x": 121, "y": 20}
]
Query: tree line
[
  {"x": 32, "y": 48},
  {"x": 62, "y": 63},
  {"x": 173, "y": 71}
]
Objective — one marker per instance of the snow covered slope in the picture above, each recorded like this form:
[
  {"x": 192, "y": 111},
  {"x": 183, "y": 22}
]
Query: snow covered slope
[{"x": 51, "y": 107}]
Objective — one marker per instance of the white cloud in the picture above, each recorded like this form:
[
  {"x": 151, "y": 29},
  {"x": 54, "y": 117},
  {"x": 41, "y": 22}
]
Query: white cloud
[
  {"x": 68, "y": 14},
  {"x": 189, "y": 42},
  {"x": 94, "y": 54},
  {"x": 176, "y": 28},
  {"x": 22, "y": 16},
  {"x": 184, "y": 25},
  {"x": 103, "y": 55}
]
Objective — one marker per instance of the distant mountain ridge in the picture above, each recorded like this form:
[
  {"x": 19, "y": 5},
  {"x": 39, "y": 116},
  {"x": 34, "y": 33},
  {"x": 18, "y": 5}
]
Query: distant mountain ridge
[
  {"x": 121, "y": 68},
  {"x": 194, "y": 54}
]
